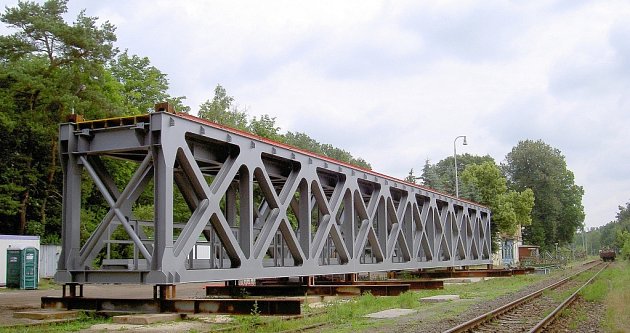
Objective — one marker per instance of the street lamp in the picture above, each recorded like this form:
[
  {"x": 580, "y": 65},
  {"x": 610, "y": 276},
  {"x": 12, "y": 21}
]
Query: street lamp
[
  {"x": 455, "y": 157},
  {"x": 76, "y": 94}
]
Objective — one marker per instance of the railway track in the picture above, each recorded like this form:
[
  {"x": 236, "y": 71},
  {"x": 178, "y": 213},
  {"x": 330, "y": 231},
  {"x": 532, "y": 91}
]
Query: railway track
[{"x": 530, "y": 313}]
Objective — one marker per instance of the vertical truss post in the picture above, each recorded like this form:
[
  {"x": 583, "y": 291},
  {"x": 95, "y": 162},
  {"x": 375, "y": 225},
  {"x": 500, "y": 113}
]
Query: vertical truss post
[
  {"x": 304, "y": 217},
  {"x": 71, "y": 208},
  {"x": 163, "y": 207},
  {"x": 246, "y": 196}
]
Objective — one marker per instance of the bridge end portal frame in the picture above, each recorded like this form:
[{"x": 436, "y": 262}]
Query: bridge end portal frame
[{"x": 254, "y": 209}]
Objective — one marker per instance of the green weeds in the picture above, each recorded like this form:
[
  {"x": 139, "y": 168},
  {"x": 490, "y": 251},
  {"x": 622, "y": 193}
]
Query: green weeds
[
  {"x": 85, "y": 320},
  {"x": 612, "y": 288}
]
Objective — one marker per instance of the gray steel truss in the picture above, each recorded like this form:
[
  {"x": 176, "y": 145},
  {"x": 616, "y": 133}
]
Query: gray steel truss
[{"x": 255, "y": 209}]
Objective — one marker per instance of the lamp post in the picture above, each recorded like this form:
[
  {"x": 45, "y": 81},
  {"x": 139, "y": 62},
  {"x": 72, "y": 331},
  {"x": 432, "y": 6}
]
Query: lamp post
[
  {"x": 80, "y": 89},
  {"x": 455, "y": 157}
]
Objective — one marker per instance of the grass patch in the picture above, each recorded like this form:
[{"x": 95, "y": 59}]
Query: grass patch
[
  {"x": 577, "y": 317},
  {"x": 84, "y": 321},
  {"x": 492, "y": 288},
  {"x": 563, "y": 292},
  {"x": 612, "y": 288},
  {"x": 48, "y": 284}
]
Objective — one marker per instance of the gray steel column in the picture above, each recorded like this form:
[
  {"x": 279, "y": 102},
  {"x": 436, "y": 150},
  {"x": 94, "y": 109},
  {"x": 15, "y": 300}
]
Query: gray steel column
[
  {"x": 71, "y": 208},
  {"x": 246, "y": 210},
  {"x": 304, "y": 218},
  {"x": 164, "y": 160},
  {"x": 347, "y": 222}
]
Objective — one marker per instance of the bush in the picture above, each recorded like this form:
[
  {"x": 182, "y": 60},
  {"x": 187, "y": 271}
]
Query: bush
[{"x": 625, "y": 250}]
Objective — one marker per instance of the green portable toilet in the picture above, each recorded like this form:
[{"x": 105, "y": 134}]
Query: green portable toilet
[
  {"x": 14, "y": 267},
  {"x": 29, "y": 273}
]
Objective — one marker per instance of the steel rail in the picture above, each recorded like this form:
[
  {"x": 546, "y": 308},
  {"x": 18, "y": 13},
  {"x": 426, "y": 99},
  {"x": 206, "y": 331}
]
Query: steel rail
[
  {"x": 543, "y": 324},
  {"x": 479, "y": 320},
  {"x": 307, "y": 327}
]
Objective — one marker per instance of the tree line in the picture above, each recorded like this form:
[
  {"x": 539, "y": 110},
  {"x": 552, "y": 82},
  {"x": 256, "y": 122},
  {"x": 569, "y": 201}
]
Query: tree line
[{"x": 614, "y": 235}]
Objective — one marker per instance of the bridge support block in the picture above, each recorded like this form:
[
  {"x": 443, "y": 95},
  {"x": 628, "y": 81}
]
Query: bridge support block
[
  {"x": 164, "y": 291},
  {"x": 70, "y": 290}
]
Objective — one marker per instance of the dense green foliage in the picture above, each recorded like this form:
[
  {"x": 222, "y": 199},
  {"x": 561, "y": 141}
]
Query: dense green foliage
[
  {"x": 441, "y": 176},
  {"x": 141, "y": 85},
  {"x": 510, "y": 209},
  {"x": 558, "y": 212},
  {"x": 613, "y": 235},
  {"x": 222, "y": 110},
  {"x": 50, "y": 69},
  {"x": 624, "y": 238}
]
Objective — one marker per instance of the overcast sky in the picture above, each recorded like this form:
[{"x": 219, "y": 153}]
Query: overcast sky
[{"x": 395, "y": 82}]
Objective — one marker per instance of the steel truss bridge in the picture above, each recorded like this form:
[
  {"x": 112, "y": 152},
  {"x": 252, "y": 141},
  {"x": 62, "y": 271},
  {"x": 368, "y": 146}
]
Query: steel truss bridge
[{"x": 253, "y": 209}]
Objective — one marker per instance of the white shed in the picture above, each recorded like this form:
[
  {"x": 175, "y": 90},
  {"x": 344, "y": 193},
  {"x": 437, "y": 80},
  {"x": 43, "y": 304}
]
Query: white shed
[
  {"x": 13, "y": 241},
  {"x": 48, "y": 259}
]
